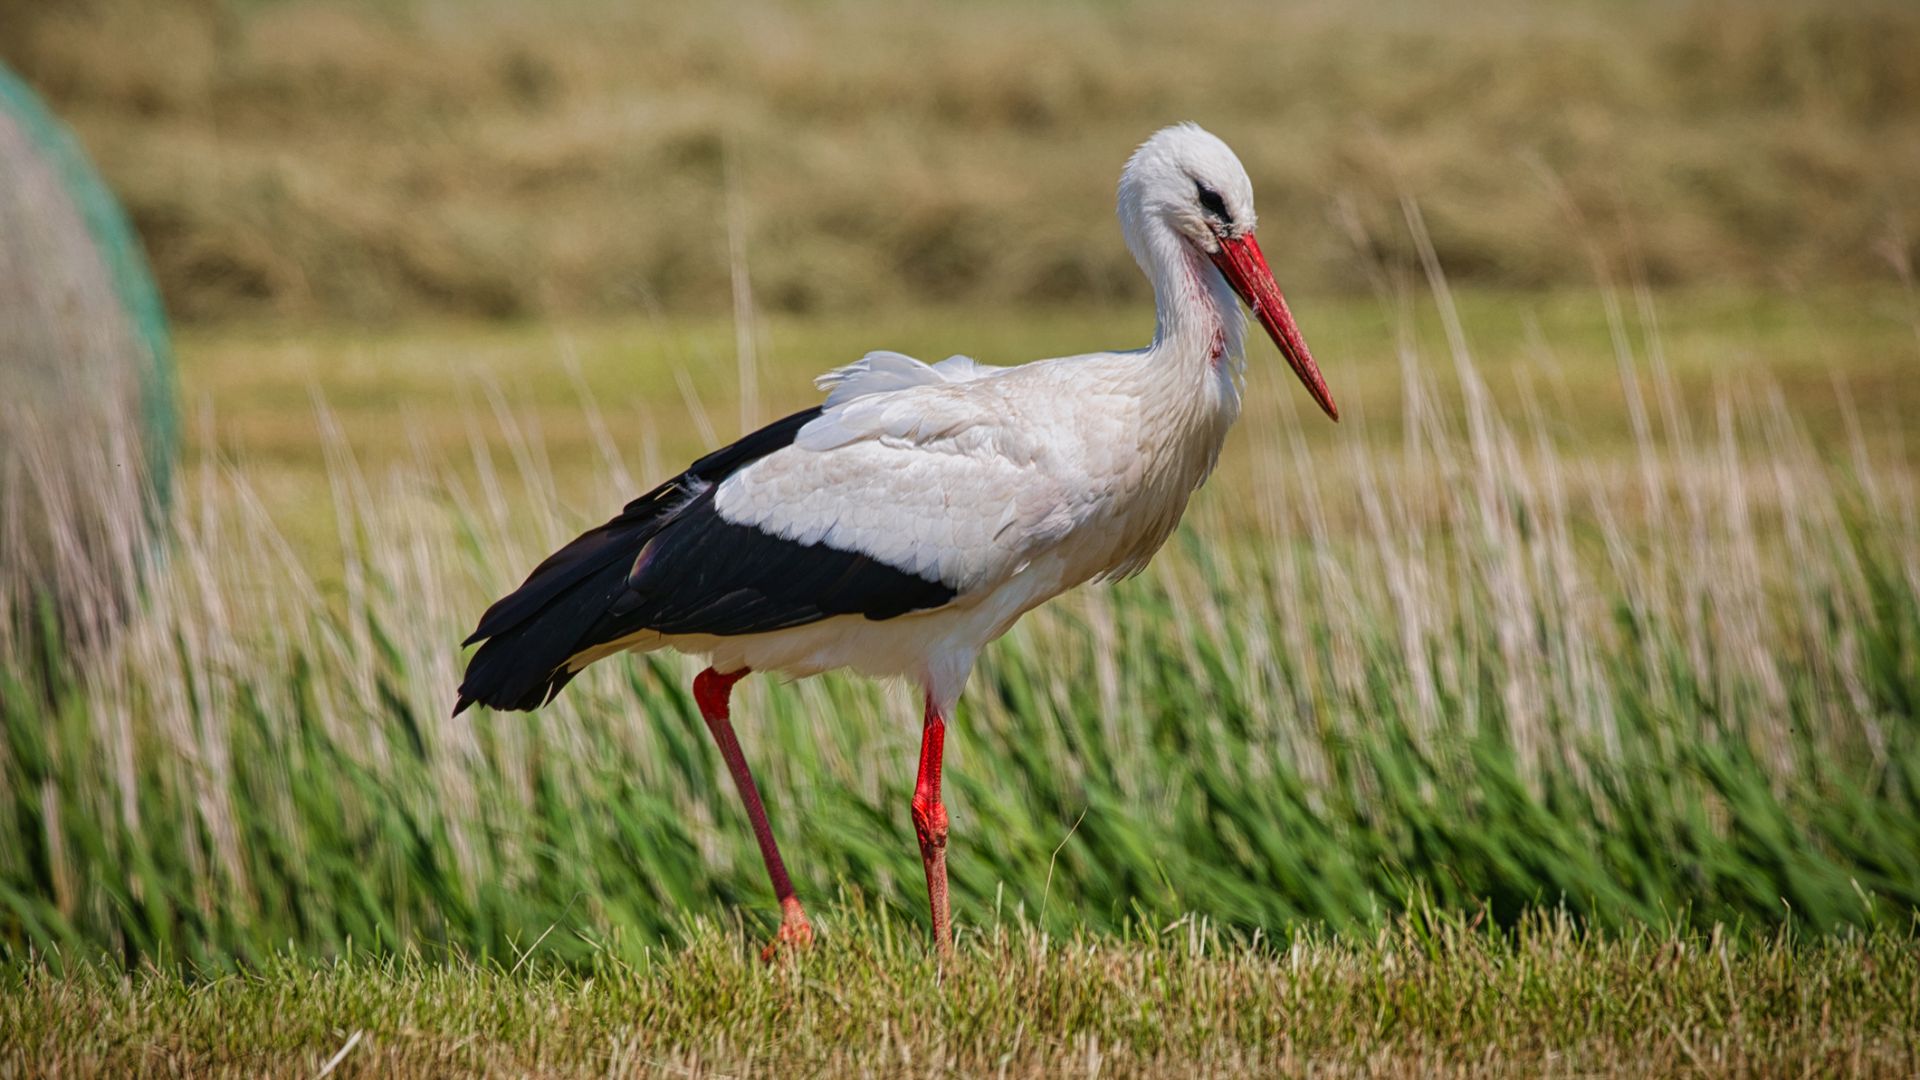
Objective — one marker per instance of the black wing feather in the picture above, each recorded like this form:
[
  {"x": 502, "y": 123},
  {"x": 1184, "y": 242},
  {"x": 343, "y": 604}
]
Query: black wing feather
[
  {"x": 670, "y": 563},
  {"x": 620, "y": 540},
  {"x": 707, "y": 575}
]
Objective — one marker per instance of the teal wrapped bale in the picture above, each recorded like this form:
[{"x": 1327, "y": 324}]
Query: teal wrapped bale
[{"x": 87, "y": 422}]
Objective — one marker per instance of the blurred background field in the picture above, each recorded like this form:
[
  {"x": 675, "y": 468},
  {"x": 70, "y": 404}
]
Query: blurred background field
[
  {"x": 1605, "y": 595},
  {"x": 380, "y": 159},
  {"x": 332, "y": 191}
]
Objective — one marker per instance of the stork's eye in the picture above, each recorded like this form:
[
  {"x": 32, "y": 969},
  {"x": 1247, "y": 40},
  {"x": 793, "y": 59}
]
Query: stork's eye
[{"x": 1212, "y": 203}]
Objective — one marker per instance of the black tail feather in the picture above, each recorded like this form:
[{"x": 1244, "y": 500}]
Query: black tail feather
[
  {"x": 564, "y": 606},
  {"x": 521, "y": 664}
]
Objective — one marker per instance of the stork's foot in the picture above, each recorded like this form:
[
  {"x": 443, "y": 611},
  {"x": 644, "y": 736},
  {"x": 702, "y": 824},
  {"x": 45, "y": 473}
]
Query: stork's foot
[{"x": 795, "y": 933}]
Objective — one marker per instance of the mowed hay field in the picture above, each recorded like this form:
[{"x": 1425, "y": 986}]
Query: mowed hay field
[
  {"x": 1554, "y": 712},
  {"x": 372, "y": 160}
]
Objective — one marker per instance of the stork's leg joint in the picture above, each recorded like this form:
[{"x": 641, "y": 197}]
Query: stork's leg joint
[
  {"x": 930, "y": 824},
  {"x": 713, "y": 692}
]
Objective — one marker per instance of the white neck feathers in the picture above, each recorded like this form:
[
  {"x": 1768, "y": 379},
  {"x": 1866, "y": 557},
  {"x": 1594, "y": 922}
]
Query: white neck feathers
[{"x": 1197, "y": 320}]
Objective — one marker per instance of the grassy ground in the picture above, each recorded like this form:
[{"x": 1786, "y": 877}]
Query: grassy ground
[{"x": 1422, "y": 997}]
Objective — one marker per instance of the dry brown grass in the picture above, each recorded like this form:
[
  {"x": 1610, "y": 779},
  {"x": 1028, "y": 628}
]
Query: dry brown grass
[
  {"x": 1415, "y": 1000},
  {"x": 342, "y": 158}
]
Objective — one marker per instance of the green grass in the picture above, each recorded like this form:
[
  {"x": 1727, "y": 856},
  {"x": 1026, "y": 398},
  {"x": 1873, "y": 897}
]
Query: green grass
[
  {"x": 1482, "y": 650},
  {"x": 1426, "y": 994}
]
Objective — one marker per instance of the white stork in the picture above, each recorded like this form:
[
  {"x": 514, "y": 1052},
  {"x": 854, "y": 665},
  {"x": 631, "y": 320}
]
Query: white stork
[{"x": 912, "y": 517}]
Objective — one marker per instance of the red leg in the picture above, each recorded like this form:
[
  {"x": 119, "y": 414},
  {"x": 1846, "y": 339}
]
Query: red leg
[
  {"x": 930, "y": 823},
  {"x": 712, "y": 691}
]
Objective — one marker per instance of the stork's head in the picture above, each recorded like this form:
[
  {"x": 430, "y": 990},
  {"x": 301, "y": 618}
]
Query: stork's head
[{"x": 1186, "y": 179}]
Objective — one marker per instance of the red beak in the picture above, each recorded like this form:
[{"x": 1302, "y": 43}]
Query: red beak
[{"x": 1245, "y": 269}]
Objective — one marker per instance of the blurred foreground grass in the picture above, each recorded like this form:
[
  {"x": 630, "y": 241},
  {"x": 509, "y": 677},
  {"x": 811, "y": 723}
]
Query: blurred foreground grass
[
  {"x": 1476, "y": 644},
  {"x": 1427, "y": 994}
]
